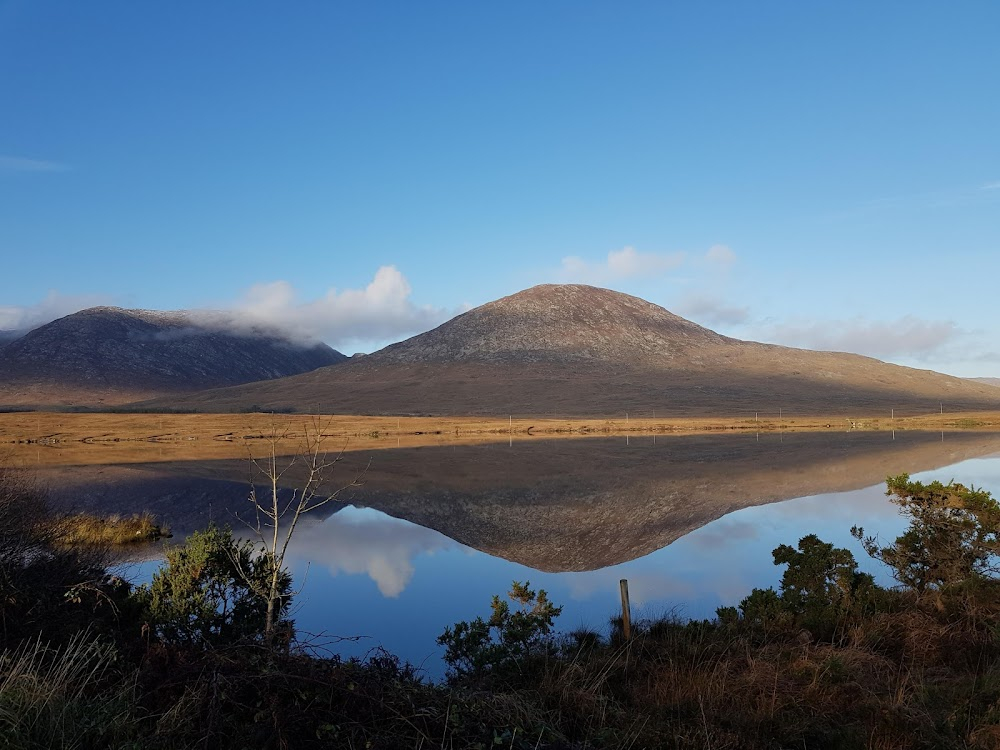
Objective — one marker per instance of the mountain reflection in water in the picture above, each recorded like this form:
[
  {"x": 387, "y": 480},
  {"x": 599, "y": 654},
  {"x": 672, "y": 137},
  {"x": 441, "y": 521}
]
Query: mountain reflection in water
[
  {"x": 715, "y": 565},
  {"x": 690, "y": 521}
]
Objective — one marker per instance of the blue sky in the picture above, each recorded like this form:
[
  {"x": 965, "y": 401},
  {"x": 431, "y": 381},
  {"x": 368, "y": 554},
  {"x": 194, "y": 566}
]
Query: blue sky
[{"x": 815, "y": 174}]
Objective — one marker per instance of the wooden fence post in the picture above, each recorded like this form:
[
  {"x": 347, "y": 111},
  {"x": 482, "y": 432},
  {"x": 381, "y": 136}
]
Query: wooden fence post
[{"x": 626, "y": 610}]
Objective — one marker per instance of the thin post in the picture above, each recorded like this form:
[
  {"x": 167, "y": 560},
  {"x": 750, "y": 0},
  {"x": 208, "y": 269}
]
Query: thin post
[{"x": 626, "y": 610}]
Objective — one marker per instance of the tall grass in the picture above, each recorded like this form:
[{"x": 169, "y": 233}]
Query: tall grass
[{"x": 55, "y": 697}]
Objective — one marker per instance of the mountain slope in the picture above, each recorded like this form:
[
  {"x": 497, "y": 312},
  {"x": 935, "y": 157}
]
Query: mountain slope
[
  {"x": 579, "y": 350},
  {"x": 110, "y": 355},
  {"x": 7, "y": 336},
  {"x": 987, "y": 381}
]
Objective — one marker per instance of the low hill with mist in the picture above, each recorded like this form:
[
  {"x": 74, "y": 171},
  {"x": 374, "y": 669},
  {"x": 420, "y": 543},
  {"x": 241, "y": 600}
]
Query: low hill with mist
[{"x": 109, "y": 355}]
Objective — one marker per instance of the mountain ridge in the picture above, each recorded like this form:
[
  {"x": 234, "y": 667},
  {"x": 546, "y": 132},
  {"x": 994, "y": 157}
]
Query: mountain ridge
[
  {"x": 112, "y": 355},
  {"x": 584, "y": 351}
]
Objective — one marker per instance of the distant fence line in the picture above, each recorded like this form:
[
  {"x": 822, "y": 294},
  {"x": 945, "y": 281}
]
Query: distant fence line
[{"x": 758, "y": 415}]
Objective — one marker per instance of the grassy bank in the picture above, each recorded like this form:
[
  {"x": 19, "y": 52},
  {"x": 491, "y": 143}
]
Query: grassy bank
[{"x": 112, "y": 530}]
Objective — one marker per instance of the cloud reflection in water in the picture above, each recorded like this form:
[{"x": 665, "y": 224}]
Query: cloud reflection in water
[{"x": 358, "y": 541}]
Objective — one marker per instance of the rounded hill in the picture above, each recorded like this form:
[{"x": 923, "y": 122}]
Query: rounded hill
[{"x": 551, "y": 323}]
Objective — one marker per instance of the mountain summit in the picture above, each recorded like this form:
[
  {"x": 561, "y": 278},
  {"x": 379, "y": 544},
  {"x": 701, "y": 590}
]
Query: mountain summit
[
  {"x": 111, "y": 355},
  {"x": 557, "y": 323}
]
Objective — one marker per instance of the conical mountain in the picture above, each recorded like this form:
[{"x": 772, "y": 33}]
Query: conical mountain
[
  {"x": 558, "y": 323},
  {"x": 111, "y": 355},
  {"x": 573, "y": 350}
]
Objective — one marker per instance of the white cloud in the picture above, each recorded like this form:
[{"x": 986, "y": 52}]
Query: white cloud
[
  {"x": 991, "y": 186},
  {"x": 382, "y": 310},
  {"x": 907, "y": 336},
  {"x": 626, "y": 263},
  {"x": 629, "y": 263},
  {"x": 55, "y": 305},
  {"x": 709, "y": 311},
  {"x": 20, "y": 164},
  {"x": 720, "y": 257}
]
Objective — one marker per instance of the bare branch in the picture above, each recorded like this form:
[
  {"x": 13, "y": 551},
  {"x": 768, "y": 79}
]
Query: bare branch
[{"x": 283, "y": 516}]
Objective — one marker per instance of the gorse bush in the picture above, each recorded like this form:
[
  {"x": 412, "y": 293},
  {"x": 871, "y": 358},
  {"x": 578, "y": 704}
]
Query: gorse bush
[
  {"x": 507, "y": 640},
  {"x": 210, "y": 591},
  {"x": 953, "y": 538},
  {"x": 820, "y": 588}
]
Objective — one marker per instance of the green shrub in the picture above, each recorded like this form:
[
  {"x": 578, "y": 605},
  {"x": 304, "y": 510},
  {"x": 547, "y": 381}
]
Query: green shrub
[
  {"x": 953, "y": 538},
  {"x": 211, "y": 591},
  {"x": 507, "y": 641},
  {"x": 821, "y": 584}
]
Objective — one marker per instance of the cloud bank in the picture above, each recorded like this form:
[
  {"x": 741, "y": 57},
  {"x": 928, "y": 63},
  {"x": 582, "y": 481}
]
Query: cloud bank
[
  {"x": 626, "y": 263},
  {"x": 381, "y": 311},
  {"x": 629, "y": 263},
  {"x": 907, "y": 336},
  {"x": 710, "y": 311},
  {"x": 720, "y": 257},
  {"x": 55, "y": 305}
]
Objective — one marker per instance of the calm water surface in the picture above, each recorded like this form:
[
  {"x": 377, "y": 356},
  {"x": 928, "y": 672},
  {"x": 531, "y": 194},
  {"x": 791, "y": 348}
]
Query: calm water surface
[
  {"x": 398, "y": 584},
  {"x": 379, "y": 580}
]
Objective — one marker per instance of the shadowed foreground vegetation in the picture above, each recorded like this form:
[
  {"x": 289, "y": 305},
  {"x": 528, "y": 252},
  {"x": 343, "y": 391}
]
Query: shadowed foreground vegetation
[{"x": 827, "y": 660}]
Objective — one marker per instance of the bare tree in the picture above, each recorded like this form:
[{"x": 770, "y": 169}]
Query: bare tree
[{"x": 294, "y": 484}]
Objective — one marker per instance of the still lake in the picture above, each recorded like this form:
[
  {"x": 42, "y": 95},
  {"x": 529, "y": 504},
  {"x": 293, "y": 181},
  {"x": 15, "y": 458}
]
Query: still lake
[{"x": 434, "y": 532}]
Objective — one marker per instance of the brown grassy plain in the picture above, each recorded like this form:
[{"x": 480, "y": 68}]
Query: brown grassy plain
[{"x": 62, "y": 439}]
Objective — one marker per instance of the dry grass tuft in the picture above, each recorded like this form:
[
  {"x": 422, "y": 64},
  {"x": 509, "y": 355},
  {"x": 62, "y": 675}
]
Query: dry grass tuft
[{"x": 86, "y": 529}]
